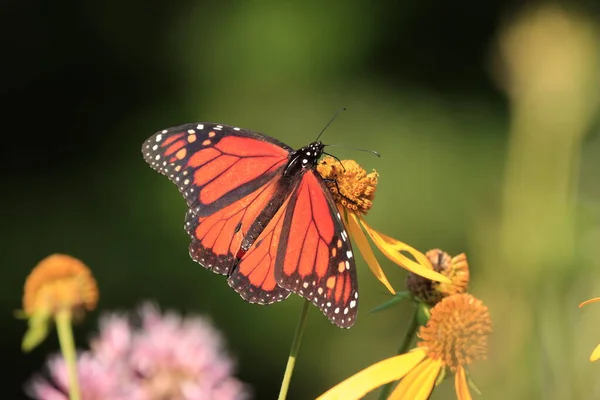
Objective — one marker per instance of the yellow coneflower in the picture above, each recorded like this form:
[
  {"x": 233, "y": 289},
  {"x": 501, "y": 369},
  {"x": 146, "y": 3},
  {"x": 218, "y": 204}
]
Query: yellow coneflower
[
  {"x": 596, "y": 353},
  {"x": 455, "y": 336},
  {"x": 454, "y": 268},
  {"x": 59, "y": 288},
  {"x": 353, "y": 190}
]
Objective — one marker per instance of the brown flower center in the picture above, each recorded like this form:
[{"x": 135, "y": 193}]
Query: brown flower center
[
  {"x": 455, "y": 268},
  {"x": 59, "y": 281},
  {"x": 349, "y": 183},
  {"x": 457, "y": 331}
]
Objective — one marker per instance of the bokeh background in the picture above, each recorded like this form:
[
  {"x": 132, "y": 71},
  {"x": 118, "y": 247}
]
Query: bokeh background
[{"x": 485, "y": 113}]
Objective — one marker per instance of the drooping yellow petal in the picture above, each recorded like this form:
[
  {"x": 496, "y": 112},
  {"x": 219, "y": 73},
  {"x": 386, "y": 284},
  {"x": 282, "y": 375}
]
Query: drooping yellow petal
[
  {"x": 595, "y": 354},
  {"x": 374, "y": 376},
  {"x": 585, "y": 303},
  {"x": 461, "y": 385},
  {"x": 392, "y": 249},
  {"x": 366, "y": 251},
  {"x": 418, "y": 384}
]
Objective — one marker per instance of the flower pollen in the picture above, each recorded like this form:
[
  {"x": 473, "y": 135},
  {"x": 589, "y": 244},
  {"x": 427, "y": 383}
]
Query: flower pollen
[
  {"x": 457, "y": 331},
  {"x": 60, "y": 281},
  {"x": 431, "y": 292},
  {"x": 349, "y": 183}
]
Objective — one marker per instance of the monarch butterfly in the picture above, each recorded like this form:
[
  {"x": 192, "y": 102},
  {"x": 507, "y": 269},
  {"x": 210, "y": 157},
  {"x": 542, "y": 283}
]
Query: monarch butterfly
[{"x": 261, "y": 214}]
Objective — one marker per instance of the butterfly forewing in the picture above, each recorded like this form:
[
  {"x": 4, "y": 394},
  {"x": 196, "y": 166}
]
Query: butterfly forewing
[
  {"x": 314, "y": 254},
  {"x": 215, "y": 165},
  {"x": 227, "y": 176}
]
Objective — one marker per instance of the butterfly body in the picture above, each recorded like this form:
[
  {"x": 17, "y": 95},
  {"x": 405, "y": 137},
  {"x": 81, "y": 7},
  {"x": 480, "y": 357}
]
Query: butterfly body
[{"x": 260, "y": 214}]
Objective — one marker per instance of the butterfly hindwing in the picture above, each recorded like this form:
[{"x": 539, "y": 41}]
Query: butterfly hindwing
[
  {"x": 314, "y": 256},
  {"x": 216, "y": 238},
  {"x": 254, "y": 275}
]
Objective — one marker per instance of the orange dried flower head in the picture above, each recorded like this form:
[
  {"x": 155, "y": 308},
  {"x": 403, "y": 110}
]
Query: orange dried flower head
[
  {"x": 353, "y": 192},
  {"x": 457, "y": 331},
  {"x": 58, "y": 282},
  {"x": 431, "y": 292},
  {"x": 353, "y": 188}
]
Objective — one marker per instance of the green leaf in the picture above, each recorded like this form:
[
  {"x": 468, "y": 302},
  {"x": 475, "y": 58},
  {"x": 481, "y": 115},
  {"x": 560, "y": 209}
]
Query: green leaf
[
  {"x": 36, "y": 332},
  {"x": 423, "y": 313},
  {"x": 398, "y": 297},
  {"x": 473, "y": 386},
  {"x": 20, "y": 314},
  {"x": 441, "y": 377}
]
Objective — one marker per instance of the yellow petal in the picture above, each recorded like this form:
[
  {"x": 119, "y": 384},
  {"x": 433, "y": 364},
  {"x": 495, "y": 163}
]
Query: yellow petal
[
  {"x": 374, "y": 376},
  {"x": 595, "y": 354},
  {"x": 461, "y": 385},
  {"x": 418, "y": 384},
  {"x": 585, "y": 303},
  {"x": 367, "y": 252},
  {"x": 392, "y": 249}
]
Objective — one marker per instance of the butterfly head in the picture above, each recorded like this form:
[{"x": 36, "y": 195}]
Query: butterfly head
[
  {"x": 309, "y": 155},
  {"x": 304, "y": 159}
]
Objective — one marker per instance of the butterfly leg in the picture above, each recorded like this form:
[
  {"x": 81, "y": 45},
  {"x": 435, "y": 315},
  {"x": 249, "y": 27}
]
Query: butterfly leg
[{"x": 337, "y": 187}]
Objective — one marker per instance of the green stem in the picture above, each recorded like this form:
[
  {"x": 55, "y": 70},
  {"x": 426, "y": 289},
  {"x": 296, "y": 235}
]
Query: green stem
[
  {"x": 411, "y": 331},
  {"x": 289, "y": 368},
  {"x": 67, "y": 347}
]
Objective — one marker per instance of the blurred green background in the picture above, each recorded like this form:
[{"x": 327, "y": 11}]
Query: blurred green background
[{"x": 485, "y": 113}]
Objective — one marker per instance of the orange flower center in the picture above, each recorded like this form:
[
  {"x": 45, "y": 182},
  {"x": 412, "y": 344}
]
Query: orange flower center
[
  {"x": 59, "y": 281},
  {"x": 455, "y": 268},
  {"x": 457, "y": 331},
  {"x": 349, "y": 183}
]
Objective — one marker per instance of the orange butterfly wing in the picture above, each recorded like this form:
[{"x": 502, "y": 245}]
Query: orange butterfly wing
[
  {"x": 254, "y": 275},
  {"x": 314, "y": 257},
  {"x": 236, "y": 182},
  {"x": 213, "y": 165},
  {"x": 304, "y": 249},
  {"x": 227, "y": 176}
]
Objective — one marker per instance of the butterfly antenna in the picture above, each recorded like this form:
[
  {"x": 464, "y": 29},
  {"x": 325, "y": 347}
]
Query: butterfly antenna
[
  {"x": 330, "y": 121},
  {"x": 354, "y": 148}
]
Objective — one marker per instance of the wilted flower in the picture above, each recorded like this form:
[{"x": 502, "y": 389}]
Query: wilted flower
[
  {"x": 60, "y": 281},
  {"x": 353, "y": 190},
  {"x": 455, "y": 336},
  {"x": 58, "y": 285},
  {"x": 431, "y": 292},
  {"x": 60, "y": 288},
  {"x": 164, "y": 357}
]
